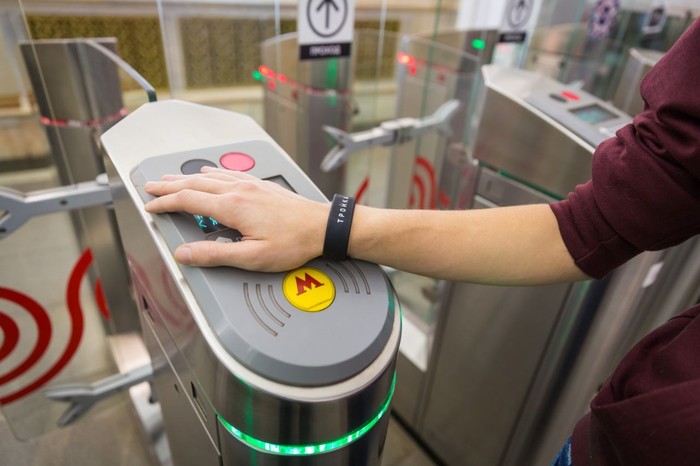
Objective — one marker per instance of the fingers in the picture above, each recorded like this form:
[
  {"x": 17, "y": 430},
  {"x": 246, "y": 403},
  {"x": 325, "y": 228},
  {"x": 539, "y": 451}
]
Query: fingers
[
  {"x": 191, "y": 201},
  {"x": 242, "y": 254},
  {"x": 172, "y": 184}
]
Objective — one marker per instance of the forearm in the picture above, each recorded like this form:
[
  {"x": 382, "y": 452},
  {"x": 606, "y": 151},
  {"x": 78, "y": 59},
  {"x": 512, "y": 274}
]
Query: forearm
[{"x": 506, "y": 246}]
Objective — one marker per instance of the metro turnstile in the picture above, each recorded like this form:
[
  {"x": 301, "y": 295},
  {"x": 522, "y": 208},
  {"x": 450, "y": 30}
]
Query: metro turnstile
[
  {"x": 301, "y": 97},
  {"x": 431, "y": 71},
  {"x": 512, "y": 369},
  {"x": 249, "y": 368}
]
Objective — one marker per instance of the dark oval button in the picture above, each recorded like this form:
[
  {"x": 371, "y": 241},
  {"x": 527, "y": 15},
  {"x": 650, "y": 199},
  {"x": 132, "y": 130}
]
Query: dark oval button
[{"x": 195, "y": 166}]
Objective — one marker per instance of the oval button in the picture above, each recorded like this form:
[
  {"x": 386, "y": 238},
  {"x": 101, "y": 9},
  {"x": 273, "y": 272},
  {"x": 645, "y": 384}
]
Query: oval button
[
  {"x": 194, "y": 166},
  {"x": 237, "y": 161}
]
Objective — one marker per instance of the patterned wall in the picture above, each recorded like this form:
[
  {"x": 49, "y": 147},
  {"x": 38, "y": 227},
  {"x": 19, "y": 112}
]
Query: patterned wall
[
  {"x": 217, "y": 52},
  {"x": 138, "y": 38}
]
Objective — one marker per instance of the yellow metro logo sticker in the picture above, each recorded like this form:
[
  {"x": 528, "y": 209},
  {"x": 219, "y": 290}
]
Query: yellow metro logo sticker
[{"x": 308, "y": 289}]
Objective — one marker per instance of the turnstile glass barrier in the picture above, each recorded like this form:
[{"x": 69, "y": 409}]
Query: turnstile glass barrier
[
  {"x": 64, "y": 287},
  {"x": 583, "y": 42},
  {"x": 347, "y": 93}
]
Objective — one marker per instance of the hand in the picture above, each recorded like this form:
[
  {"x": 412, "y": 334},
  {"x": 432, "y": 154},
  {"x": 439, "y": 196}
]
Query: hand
[{"x": 281, "y": 230}]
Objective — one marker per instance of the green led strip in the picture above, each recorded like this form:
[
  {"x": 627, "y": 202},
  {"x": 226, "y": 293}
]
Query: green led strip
[{"x": 314, "y": 449}]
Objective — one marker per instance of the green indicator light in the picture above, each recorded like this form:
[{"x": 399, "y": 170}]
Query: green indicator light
[
  {"x": 479, "y": 44},
  {"x": 257, "y": 75},
  {"x": 308, "y": 450}
]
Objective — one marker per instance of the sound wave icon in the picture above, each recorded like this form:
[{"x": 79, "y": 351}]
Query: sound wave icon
[
  {"x": 350, "y": 270},
  {"x": 272, "y": 322}
]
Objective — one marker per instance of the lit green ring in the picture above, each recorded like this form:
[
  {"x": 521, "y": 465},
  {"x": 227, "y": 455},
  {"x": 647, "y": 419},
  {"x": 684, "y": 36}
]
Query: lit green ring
[{"x": 315, "y": 449}]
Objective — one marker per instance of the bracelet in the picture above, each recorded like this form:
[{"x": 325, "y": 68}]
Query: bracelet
[{"x": 335, "y": 244}]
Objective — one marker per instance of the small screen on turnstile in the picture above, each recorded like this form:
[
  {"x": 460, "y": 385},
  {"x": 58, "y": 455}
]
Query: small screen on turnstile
[{"x": 593, "y": 114}]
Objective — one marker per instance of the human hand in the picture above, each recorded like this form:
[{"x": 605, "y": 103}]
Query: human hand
[{"x": 281, "y": 230}]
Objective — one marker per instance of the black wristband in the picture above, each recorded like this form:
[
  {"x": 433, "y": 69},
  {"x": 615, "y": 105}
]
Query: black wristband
[{"x": 335, "y": 244}]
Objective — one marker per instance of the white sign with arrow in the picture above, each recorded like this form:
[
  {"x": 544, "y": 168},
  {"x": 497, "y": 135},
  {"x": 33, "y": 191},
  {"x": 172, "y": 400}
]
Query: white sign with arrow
[{"x": 325, "y": 28}]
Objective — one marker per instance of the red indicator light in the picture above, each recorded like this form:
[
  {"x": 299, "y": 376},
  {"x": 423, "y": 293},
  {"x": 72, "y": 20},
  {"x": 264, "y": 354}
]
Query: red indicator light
[
  {"x": 570, "y": 95},
  {"x": 441, "y": 78},
  {"x": 406, "y": 59},
  {"x": 271, "y": 85},
  {"x": 282, "y": 78},
  {"x": 265, "y": 71},
  {"x": 413, "y": 70}
]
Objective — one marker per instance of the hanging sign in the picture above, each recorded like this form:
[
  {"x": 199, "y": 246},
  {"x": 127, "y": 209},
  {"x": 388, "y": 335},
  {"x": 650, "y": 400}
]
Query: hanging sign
[
  {"x": 515, "y": 21},
  {"x": 325, "y": 28}
]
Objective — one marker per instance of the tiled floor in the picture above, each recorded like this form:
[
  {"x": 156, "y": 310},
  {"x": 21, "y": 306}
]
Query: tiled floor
[{"x": 36, "y": 261}]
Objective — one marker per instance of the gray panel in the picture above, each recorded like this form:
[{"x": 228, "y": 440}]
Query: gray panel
[
  {"x": 493, "y": 341},
  {"x": 249, "y": 311},
  {"x": 517, "y": 139}
]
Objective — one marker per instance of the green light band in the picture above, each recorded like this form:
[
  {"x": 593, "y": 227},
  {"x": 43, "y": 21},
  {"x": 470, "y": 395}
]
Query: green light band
[{"x": 314, "y": 449}]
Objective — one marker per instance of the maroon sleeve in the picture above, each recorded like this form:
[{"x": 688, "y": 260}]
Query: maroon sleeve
[{"x": 645, "y": 189}]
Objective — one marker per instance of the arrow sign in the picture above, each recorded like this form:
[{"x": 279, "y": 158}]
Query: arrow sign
[{"x": 325, "y": 28}]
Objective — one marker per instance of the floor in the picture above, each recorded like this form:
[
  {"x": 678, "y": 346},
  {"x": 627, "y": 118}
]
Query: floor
[{"x": 35, "y": 342}]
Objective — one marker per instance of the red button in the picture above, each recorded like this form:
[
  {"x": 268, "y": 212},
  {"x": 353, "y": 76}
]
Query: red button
[
  {"x": 237, "y": 161},
  {"x": 570, "y": 95}
]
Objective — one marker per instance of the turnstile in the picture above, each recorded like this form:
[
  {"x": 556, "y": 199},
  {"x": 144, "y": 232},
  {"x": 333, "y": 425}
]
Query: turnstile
[
  {"x": 301, "y": 97},
  {"x": 511, "y": 369},
  {"x": 249, "y": 368}
]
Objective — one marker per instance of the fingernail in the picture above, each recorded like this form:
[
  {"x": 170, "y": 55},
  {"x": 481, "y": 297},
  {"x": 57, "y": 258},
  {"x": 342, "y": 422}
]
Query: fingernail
[
  {"x": 183, "y": 255},
  {"x": 167, "y": 177}
]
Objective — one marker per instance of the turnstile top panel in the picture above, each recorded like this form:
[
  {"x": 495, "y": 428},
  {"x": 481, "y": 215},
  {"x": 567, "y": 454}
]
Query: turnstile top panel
[
  {"x": 589, "y": 117},
  {"x": 317, "y": 325}
]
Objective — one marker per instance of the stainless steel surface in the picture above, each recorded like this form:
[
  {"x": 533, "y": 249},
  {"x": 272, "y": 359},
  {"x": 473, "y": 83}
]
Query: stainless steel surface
[
  {"x": 75, "y": 82},
  {"x": 301, "y": 97},
  {"x": 489, "y": 346},
  {"x": 198, "y": 382},
  {"x": 524, "y": 142},
  {"x": 639, "y": 62}
]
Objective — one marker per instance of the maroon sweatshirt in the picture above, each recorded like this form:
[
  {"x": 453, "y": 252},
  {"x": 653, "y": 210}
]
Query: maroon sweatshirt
[{"x": 645, "y": 195}]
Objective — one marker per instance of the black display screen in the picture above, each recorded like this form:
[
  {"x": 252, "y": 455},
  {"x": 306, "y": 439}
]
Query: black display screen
[
  {"x": 593, "y": 114},
  {"x": 280, "y": 181}
]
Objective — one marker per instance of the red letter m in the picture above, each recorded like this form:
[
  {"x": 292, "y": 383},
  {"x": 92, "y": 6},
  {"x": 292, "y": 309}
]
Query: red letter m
[{"x": 308, "y": 280}]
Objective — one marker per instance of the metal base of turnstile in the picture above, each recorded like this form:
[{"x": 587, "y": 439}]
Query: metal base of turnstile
[{"x": 130, "y": 352}]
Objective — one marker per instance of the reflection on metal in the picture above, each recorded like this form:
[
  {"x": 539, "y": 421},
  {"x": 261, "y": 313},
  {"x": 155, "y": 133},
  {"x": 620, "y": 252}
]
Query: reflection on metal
[
  {"x": 389, "y": 133},
  {"x": 83, "y": 396},
  {"x": 627, "y": 96}
]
